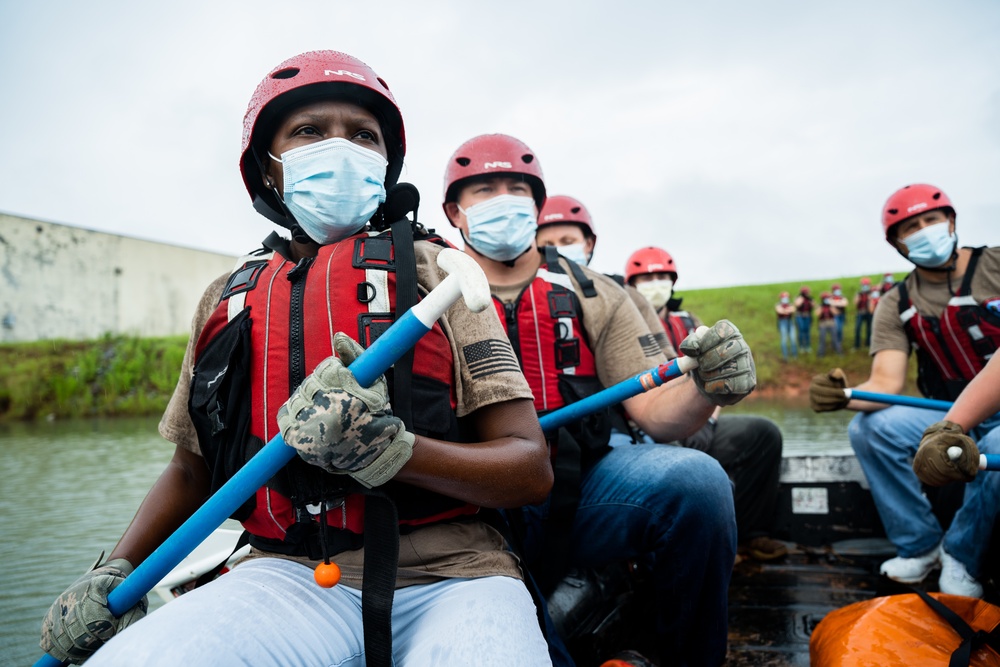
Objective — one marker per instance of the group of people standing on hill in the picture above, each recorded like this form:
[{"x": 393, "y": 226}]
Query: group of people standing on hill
[
  {"x": 795, "y": 317},
  {"x": 450, "y": 513}
]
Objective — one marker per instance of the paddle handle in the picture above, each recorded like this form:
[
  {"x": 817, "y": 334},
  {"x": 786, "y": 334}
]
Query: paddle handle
[
  {"x": 986, "y": 461},
  {"x": 617, "y": 393}
]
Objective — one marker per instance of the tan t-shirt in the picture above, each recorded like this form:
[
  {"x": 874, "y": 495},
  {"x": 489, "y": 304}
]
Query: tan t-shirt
[
  {"x": 930, "y": 300},
  {"x": 652, "y": 321},
  {"x": 461, "y": 549},
  {"x": 620, "y": 340}
]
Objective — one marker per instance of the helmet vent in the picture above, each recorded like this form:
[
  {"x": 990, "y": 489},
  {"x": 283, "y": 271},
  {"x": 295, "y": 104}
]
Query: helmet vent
[
  {"x": 936, "y": 196},
  {"x": 382, "y": 81},
  {"x": 527, "y": 158},
  {"x": 893, "y": 211},
  {"x": 463, "y": 161},
  {"x": 575, "y": 210},
  {"x": 285, "y": 73}
]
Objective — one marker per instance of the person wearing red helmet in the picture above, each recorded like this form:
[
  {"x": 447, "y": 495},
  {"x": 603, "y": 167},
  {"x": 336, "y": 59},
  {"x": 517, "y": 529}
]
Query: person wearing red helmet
[
  {"x": 826, "y": 314},
  {"x": 747, "y": 447},
  {"x": 576, "y": 331},
  {"x": 803, "y": 303},
  {"x": 323, "y": 138},
  {"x": 863, "y": 313},
  {"x": 564, "y": 222},
  {"x": 948, "y": 311},
  {"x": 786, "y": 329}
]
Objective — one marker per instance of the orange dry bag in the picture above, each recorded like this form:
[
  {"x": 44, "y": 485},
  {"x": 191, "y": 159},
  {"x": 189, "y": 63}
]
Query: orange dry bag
[{"x": 908, "y": 630}]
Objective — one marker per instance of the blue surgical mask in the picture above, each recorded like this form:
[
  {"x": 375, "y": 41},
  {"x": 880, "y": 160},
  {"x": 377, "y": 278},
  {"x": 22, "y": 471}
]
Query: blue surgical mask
[
  {"x": 332, "y": 187},
  {"x": 576, "y": 252},
  {"x": 502, "y": 227},
  {"x": 932, "y": 246}
]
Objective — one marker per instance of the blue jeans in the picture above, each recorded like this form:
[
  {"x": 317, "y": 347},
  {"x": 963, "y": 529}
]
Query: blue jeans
[
  {"x": 671, "y": 508},
  {"x": 804, "y": 325},
  {"x": 787, "y": 337},
  {"x": 885, "y": 443},
  {"x": 840, "y": 319},
  {"x": 864, "y": 320}
]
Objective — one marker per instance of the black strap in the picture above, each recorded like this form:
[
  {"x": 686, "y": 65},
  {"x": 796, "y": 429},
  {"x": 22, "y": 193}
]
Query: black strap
[
  {"x": 553, "y": 561},
  {"x": 243, "y": 540},
  {"x": 406, "y": 298},
  {"x": 586, "y": 284},
  {"x": 381, "y": 563},
  {"x": 966, "y": 287},
  {"x": 971, "y": 639}
]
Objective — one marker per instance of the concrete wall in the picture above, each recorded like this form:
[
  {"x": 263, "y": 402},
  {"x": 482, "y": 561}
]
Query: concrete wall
[{"x": 58, "y": 281}]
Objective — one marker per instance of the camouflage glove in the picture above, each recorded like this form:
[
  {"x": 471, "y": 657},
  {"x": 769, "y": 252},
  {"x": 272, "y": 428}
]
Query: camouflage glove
[
  {"x": 726, "y": 372},
  {"x": 340, "y": 426},
  {"x": 79, "y": 621},
  {"x": 826, "y": 392},
  {"x": 933, "y": 465}
]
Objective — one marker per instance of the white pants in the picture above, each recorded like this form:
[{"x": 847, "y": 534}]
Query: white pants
[{"x": 270, "y": 611}]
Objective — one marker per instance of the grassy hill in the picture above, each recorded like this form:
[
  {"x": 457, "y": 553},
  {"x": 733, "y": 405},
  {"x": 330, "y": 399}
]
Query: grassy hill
[
  {"x": 751, "y": 308},
  {"x": 125, "y": 376}
]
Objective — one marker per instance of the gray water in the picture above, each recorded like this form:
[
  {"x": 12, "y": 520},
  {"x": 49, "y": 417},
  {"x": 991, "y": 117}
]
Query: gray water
[{"x": 70, "y": 489}]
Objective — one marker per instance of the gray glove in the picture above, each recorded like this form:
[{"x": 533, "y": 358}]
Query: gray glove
[
  {"x": 932, "y": 464},
  {"x": 726, "y": 372},
  {"x": 79, "y": 621},
  {"x": 340, "y": 426}
]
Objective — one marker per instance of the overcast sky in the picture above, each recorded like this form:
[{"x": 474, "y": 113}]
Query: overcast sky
[{"x": 755, "y": 141}]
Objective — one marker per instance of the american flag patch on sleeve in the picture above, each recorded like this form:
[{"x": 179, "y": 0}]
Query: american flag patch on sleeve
[
  {"x": 650, "y": 346},
  {"x": 490, "y": 356}
]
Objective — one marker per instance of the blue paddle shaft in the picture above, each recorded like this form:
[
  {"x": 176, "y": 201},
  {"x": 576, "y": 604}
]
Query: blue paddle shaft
[
  {"x": 896, "y": 399},
  {"x": 611, "y": 396},
  {"x": 992, "y": 461},
  {"x": 378, "y": 358}
]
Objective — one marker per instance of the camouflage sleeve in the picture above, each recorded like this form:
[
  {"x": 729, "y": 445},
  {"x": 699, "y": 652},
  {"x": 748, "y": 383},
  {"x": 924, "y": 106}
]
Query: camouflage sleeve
[{"x": 175, "y": 425}]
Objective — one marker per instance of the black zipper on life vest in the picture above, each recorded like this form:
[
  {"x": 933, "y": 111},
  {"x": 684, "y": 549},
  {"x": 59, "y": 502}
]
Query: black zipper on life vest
[
  {"x": 513, "y": 335},
  {"x": 296, "y": 327}
]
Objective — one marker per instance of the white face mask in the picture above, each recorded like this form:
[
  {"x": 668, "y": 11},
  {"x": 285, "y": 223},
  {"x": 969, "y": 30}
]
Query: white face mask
[
  {"x": 502, "y": 227},
  {"x": 332, "y": 187},
  {"x": 576, "y": 252},
  {"x": 657, "y": 292}
]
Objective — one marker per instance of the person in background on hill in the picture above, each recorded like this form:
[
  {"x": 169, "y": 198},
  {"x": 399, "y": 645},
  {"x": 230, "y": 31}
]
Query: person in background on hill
[
  {"x": 748, "y": 447},
  {"x": 323, "y": 146},
  {"x": 839, "y": 303},
  {"x": 804, "y": 317},
  {"x": 575, "y": 332},
  {"x": 863, "y": 313},
  {"x": 786, "y": 312},
  {"x": 945, "y": 310},
  {"x": 978, "y": 402},
  {"x": 826, "y": 324}
]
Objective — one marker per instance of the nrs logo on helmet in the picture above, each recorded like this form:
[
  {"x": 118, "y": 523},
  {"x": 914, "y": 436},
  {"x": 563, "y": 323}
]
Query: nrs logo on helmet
[
  {"x": 497, "y": 165},
  {"x": 343, "y": 72}
]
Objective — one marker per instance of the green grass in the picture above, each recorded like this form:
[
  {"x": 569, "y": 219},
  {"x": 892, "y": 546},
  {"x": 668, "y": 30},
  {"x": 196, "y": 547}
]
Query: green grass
[
  {"x": 751, "y": 308},
  {"x": 112, "y": 376}
]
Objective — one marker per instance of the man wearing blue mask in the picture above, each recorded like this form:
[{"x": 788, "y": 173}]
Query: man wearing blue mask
[
  {"x": 946, "y": 311},
  {"x": 575, "y": 331}
]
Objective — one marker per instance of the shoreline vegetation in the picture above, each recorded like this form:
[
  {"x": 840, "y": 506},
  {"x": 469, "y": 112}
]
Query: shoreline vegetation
[{"x": 127, "y": 376}]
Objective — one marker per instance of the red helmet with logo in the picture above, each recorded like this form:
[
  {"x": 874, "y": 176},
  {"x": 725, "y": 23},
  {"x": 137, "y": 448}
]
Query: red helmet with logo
[
  {"x": 305, "y": 78},
  {"x": 912, "y": 200},
  {"x": 493, "y": 154},
  {"x": 563, "y": 210},
  {"x": 649, "y": 260}
]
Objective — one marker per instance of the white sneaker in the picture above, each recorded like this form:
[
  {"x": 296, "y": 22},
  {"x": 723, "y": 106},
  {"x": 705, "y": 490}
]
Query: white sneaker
[
  {"x": 956, "y": 580},
  {"x": 911, "y": 570}
]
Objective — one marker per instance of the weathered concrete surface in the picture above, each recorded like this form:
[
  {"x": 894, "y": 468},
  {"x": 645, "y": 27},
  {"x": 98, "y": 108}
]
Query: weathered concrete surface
[{"x": 58, "y": 281}]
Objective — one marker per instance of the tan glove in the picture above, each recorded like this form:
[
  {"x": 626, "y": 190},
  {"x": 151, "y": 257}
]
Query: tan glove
[
  {"x": 826, "y": 392},
  {"x": 726, "y": 372},
  {"x": 932, "y": 464},
  {"x": 342, "y": 427},
  {"x": 79, "y": 621}
]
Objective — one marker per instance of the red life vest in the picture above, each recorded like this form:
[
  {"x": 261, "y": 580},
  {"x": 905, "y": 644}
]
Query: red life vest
[
  {"x": 289, "y": 313},
  {"x": 546, "y": 331},
  {"x": 825, "y": 312},
  {"x": 805, "y": 309},
  {"x": 679, "y": 325},
  {"x": 954, "y": 347},
  {"x": 863, "y": 298}
]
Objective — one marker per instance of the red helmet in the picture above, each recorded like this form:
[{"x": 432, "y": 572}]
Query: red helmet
[
  {"x": 835, "y": 286},
  {"x": 563, "y": 210},
  {"x": 649, "y": 260},
  {"x": 493, "y": 154},
  {"x": 866, "y": 281},
  {"x": 910, "y": 201},
  {"x": 805, "y": 290},
  {"x": 305, "y": 78},
  {"x": 783, "y": 295}
]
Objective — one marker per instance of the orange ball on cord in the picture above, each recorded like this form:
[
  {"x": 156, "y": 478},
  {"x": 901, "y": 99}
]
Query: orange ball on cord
[{"x": 327, "y": 575}]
